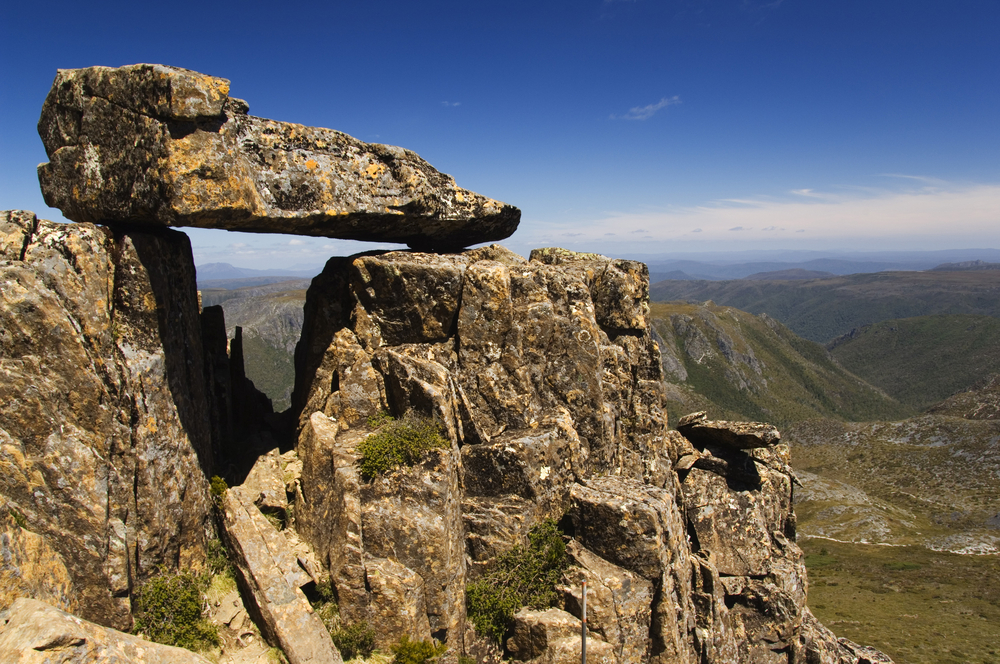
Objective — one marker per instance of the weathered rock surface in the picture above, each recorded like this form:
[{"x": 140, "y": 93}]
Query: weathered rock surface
[
  {"x": 32, "y": 568},
  {"x": 618, "y": 602},
  {"x": 543, "y": 375},
  {"x": 553, "y": 636},
  {"x": 32, "y": 632},
  {"x": 157, "y": 145},
  {"x": 105, "y": 433},
  {"x": 272, "y": 578},
  {"x": 701, "y": 431}
]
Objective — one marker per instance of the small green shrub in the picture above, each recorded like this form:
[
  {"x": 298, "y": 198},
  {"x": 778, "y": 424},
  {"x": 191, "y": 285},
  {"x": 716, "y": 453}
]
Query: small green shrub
[
  {"x": 416, "y": 652},
  {"x": 168, "y": 611},
  {"x": 380, "y": 419},
  {"x": 397, "y": 443},
  {"x": 218, "y": 559},
  {"x": 465, "y": 659},
  {"x": 902, "y": 566},
  {"x": 218, "y": 487},
  {"x": 357, "y": 640},
  {"x": 522, "y": 576}
]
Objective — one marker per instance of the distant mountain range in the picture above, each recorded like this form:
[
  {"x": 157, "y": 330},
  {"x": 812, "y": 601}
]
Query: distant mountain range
[
  {"x": 210, "y": 274},
  {"x": 826, "y": 308}
]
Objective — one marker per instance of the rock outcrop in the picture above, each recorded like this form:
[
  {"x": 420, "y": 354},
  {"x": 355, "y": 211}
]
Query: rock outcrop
[
  {"x": 33, "y": 632},
  {"x": 160, "y": 146},
  {"x": 105, "y": 431},
  {"x": 545, "y": 378},
  {"x": 541, "y": 379}
]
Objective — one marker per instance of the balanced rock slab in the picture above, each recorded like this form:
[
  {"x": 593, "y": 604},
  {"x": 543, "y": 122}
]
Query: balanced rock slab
[{"x": 162, "y": 146}]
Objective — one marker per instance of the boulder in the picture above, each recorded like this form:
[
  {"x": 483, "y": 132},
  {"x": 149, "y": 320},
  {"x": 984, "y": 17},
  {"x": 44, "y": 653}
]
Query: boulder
[
  {"x": 413, "y": 517},
  {"x": 703, "y": 432},
  {"x": 33, "y": 632},
  {"x": 638, "y": 527},
  {"x": 397, "y": 602},
  {"x": 619, "y": 602},
  {"x": 489, "y": 342},
  {"x": 737, "y": 523},
  {"x": 271, "y": 579},
  {"x": 162, "y": 146},
  {"x": 265, "y": 485},
  {"x": 553, "y": 636}
]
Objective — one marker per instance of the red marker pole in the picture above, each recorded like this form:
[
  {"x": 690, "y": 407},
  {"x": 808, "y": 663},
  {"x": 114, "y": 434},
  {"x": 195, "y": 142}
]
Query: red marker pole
[{"x": 583, "y": 628}]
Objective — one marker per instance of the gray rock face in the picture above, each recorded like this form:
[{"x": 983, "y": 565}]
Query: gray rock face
[
  {"x": 162, "y": 146},
  {"x": 32, "y": 632},
  {"x": 105, "y": 433},
  {"x": 618, "y": 603}
]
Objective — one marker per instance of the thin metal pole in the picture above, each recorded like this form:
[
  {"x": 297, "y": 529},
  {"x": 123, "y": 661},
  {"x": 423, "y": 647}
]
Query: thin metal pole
[{"x": 583, "y": 628}]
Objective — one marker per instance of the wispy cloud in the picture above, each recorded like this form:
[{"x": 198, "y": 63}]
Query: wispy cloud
[
  {"x": 451, "y": 103},
  {"x": 913, "y": 215},
  {"x": 646, "y": 112}
]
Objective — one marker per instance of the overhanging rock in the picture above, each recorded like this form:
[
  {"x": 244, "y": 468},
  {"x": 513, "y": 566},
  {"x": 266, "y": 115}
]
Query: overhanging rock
[{"x": 162, "y": 146}]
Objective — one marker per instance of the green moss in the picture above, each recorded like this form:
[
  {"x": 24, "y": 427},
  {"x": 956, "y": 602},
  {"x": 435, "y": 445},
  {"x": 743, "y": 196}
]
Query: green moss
[
  {"x": 276, "y": 656},
  {"x": 522, "y": 576},
  {"x": 168, "y": 610},
  {"x": 406, "y": 651},
  {"x": 398, "y": 443}
]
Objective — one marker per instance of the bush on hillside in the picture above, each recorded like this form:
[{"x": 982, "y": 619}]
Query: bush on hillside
[{"x": 407, "y": 651}]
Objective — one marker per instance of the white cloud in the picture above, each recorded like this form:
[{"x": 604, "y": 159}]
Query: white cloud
[
  {"x": 646, "y": 112},
  {"x": 451, "y": 103},
  {"x": 296, "y": 242},
  {"x": 918, "y": 216}
]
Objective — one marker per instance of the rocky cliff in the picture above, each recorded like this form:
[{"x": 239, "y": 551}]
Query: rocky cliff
[
  {"x": 536, "y": 383},
  {"x": 105, "y": 428}
]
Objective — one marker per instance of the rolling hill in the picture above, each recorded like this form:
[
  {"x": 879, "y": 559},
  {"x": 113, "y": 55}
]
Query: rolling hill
[
  {"x": 822, "y": 309},
  {"x": 923, "y": 360},
  {"x": 740, "y": 366}
]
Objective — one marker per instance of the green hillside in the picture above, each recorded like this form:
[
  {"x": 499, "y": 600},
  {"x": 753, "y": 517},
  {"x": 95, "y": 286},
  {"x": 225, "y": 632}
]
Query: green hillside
[
  {"x": 271, "y": 318},
  {"x": 899, "y": 522},
  {"x": 740, "y": 366},
  {"x": 823, "y": 309},
  {"x": 923, "y": 360}
]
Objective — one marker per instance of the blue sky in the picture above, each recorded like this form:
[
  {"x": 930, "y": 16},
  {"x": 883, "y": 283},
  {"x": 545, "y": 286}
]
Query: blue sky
[{"x": 624, "y": 126}]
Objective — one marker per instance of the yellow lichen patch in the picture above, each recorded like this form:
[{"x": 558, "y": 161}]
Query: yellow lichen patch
[
  {"x": 311, "y": 164},
  {"x": 151, "y": 424},
  {"x": 459, "y": 197},
  {"x": 375, "y": 170},
  {"x": 34, "y": 569}
]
